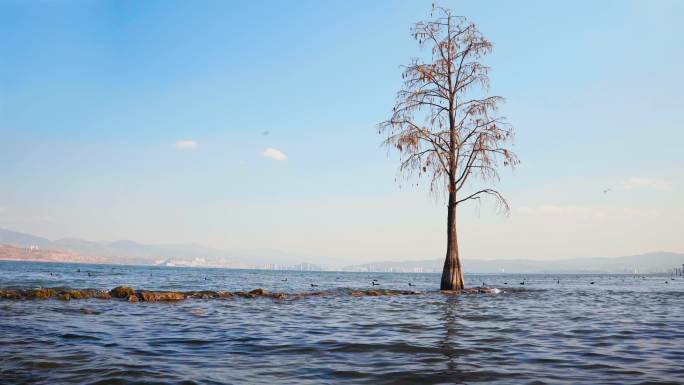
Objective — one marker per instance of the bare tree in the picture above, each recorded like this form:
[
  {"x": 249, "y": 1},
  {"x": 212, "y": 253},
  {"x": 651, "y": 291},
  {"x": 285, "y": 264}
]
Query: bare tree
[{"x": 443, "y": 122}]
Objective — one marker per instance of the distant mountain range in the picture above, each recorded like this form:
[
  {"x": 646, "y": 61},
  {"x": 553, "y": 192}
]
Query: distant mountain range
[
  {"x": 20, "y": 246},
  {"x": 657, "y": 262},
  {"x": 131, "y": 252}
]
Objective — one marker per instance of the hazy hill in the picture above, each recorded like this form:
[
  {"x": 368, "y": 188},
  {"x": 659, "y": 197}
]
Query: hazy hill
[
  {"x": 9, "y": 237},
  {"x": 644, "y": 263},
  {"x": 126, "y": 251},
  {"x": 131, "y": 252}
]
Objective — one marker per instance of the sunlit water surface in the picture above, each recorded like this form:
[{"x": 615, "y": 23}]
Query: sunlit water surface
[{"x": 619, "y": 330}]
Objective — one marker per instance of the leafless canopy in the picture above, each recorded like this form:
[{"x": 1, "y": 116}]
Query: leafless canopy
[{"x": 444, "y": 124}]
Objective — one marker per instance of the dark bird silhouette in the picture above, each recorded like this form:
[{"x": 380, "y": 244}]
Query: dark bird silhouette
[
  {"x": 375, "y": 283},
  {"x": 314, "y": 285},
  {"x": 79, "y": 270},
  {"x": 592, "y": 282},
  {"x": 284, "y": 280},
  {"x": 410, "y": 284},
  {"x": 206, "y": 279},
  {"x": 558, "y": 282},
  {"x": 505, "y": 283},
  {"x": 522, "y": 283}
]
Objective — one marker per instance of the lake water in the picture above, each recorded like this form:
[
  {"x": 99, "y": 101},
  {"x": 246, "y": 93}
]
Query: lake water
[{"x": 619, "y": 330}]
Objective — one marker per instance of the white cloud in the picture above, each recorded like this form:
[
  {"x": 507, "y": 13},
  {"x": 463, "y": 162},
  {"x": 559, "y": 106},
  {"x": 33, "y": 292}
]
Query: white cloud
[
  {"x": 186, "y": 145},
  {"x": 274, "y": 154},
  {"x": 656, "y": 184}
]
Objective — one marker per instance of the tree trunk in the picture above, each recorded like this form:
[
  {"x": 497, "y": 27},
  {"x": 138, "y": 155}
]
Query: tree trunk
[{"x": 452, "y": 275}]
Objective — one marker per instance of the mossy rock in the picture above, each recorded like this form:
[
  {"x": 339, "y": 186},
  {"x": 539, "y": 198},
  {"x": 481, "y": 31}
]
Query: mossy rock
[
  {"x": 102, "y": 295},
  {"x": 64, "y": 297},
  {"x": 10, "y": 294},
  {"x": 259, "y": 291},
  {"x": 80, "y": 294},
  {"x": 153, "y": 296},
  {"x": 43, "y": 293},
  {"x": 122, "y": 292}
]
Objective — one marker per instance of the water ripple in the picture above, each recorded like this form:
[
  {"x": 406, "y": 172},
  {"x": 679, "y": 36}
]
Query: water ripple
[{"x": 618, "y": 331}]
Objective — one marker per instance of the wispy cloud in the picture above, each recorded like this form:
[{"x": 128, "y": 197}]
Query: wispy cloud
[
  {"x": 186, "y": 145},
  {"x": 274, "y": 154},
  {"x": 656, "y": 184}
]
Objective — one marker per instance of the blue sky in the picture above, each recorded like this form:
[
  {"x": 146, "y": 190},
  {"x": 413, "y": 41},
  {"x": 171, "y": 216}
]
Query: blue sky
[{"x": 96, "y": 96}]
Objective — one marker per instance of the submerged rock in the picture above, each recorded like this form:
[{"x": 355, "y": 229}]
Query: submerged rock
[
  {"x": 205, "y": 294},
  {"x": 153, "y": 296},
  {"x": 121, "y": 292},
  {"x": 84, "y": 293},
  {"x": 129, "y": 294},
  {"x": 43, "y": 293},
  {"x": 64, "y": 297},
  {"x": 10, "y": 294},
  {"x": 259, "y": 291},
  {"x": 102, "y": 295}
]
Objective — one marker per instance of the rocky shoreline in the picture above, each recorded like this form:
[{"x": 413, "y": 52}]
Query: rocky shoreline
[{"x": 131, "y": 295}]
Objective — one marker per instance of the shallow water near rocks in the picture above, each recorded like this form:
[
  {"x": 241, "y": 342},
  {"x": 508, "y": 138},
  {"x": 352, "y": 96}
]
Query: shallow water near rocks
[{"x": 620, "y": 330}]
